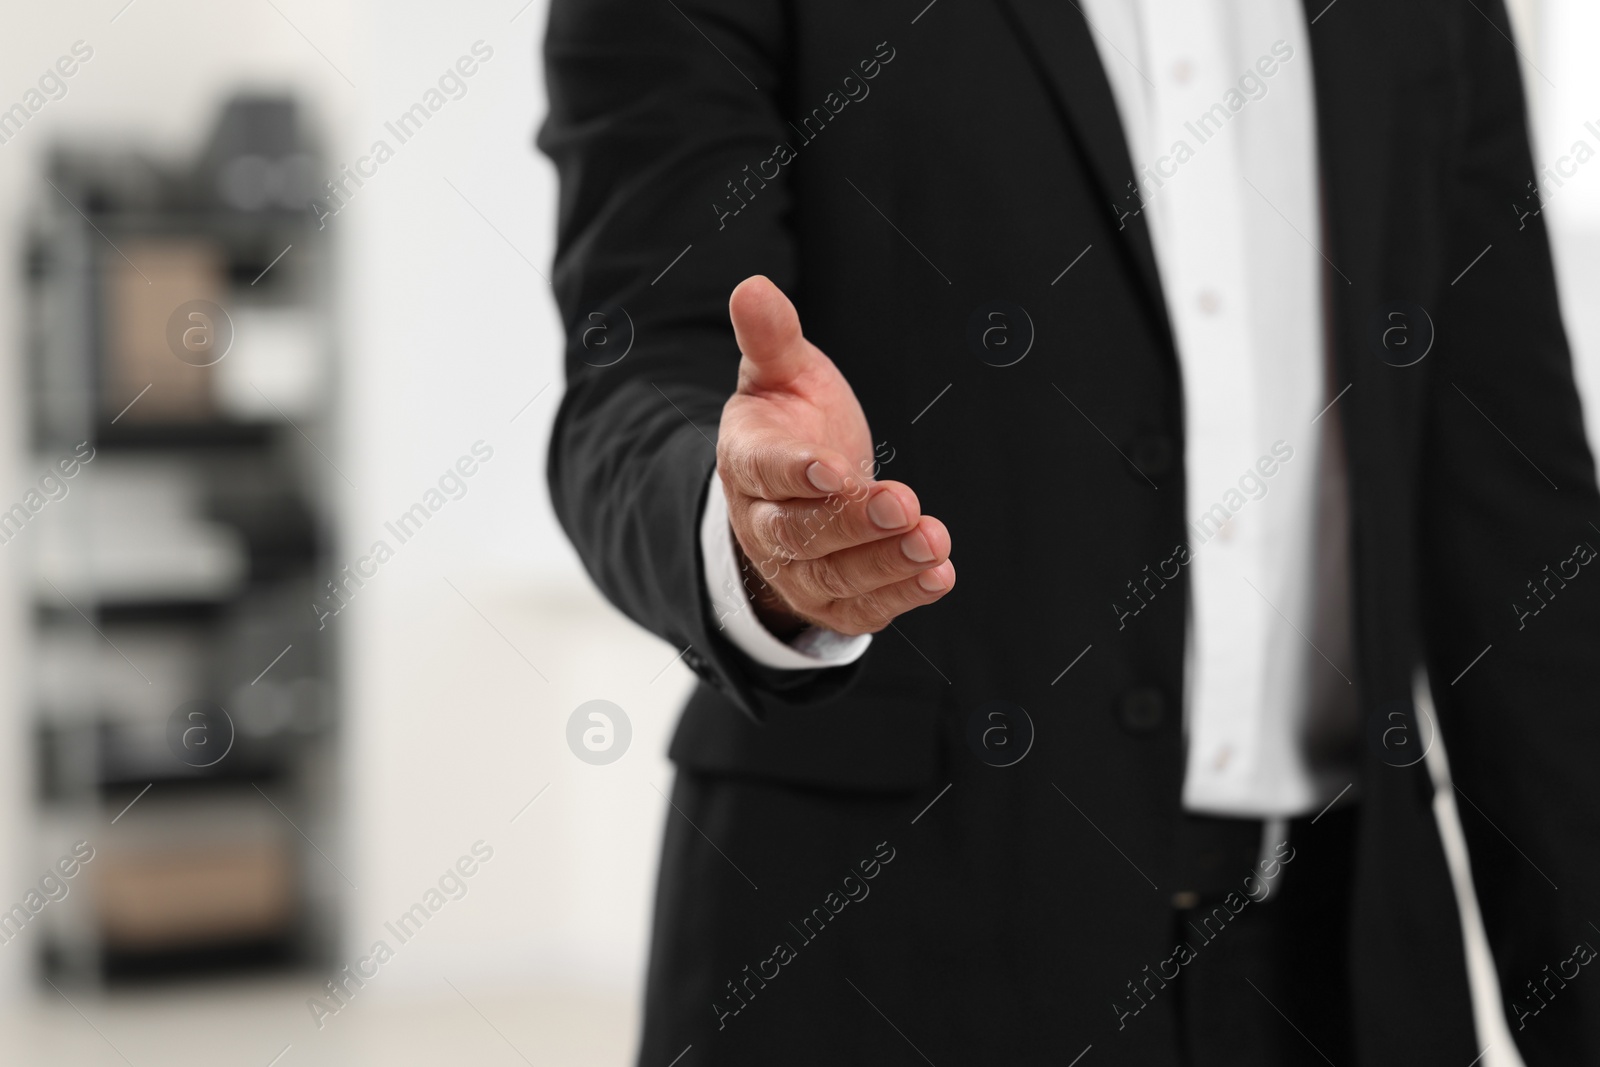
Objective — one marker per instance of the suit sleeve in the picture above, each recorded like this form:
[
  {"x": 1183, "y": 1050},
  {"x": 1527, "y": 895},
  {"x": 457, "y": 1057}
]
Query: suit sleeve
[
  {"x": 1510, "y": 514},
  {"x": 660, "y": 114}
]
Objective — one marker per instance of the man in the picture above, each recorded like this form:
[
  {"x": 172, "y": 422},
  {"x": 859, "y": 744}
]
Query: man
[{"x": 1236, "y": 317}]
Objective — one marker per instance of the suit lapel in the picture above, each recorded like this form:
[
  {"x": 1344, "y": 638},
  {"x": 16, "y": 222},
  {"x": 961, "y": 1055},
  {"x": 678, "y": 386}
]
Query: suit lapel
[
  {"x": 1059, "y": 39},
  {"x": 1354, "y": 113},
  {"x": 1354, "y": 118}
]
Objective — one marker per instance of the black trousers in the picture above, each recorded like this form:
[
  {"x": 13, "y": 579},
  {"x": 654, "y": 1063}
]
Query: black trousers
[
  {"x": 1262, "y": 977},
  {"x": 955, "y": 951}
]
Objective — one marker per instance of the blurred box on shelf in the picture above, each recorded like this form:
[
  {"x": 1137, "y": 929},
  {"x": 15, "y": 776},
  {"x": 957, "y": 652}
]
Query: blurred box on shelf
[
  {"x": 150, "y": 282},
  {"x": 183, "y": 876},
  {"x": 180, "y": 898}
]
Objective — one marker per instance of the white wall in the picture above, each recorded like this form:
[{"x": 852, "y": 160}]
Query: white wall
[
  {"x": 448, "y": 332},
  {"x": 453, "y": 331}
]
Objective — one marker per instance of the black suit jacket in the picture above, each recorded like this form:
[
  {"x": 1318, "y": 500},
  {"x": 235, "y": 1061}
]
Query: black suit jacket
[{"x": 935, "y": 159}]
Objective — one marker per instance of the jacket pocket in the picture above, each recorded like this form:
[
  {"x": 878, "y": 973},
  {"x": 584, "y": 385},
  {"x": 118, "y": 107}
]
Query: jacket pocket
[{"x": 882, "y": 734}]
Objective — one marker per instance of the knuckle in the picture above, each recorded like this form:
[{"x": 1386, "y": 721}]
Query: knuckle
[
  {"x": 829, "y": 579},
  {"x": 752, "y": 465},
  {"x": 808, "y": 524},
  {"x": 740, "y": 467},
  {"x": 865, "y": 614},
  {"x": 745, "y": 528},
  {"x": 773, "y": 529},
  {"x": 758, "y": 469},
  {"x": 758, "y": 472},
  {"x": 732, "y": 450}
]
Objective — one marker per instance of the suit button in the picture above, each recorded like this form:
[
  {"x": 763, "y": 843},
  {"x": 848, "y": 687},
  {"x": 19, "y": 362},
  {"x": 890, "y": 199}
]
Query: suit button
[
  {"x": 1141, "y": 710},
  {"x": 1151, "y": 456}
]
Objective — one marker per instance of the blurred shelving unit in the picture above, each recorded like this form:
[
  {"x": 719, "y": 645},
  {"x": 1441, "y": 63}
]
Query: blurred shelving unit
[{"x": 181, "y": 333}]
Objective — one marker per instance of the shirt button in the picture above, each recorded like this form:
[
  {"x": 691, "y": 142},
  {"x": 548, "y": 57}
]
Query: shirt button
[
  {"x": 1182, "y": 71},
  {"x": 1210, "y": 302},
  {"x": 1225, "y": 531}
]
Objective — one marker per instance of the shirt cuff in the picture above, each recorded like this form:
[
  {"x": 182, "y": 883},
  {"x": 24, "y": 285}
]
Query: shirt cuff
[{"x": 813, "y": 648}]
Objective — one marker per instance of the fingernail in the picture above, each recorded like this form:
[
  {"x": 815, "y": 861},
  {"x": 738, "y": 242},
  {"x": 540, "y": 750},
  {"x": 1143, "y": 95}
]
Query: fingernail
[
  {"x": 821, "y": 475},
  {"x": 885, "y": 511},
  {"x": 932, "y": 581},
  {"x": 916, "y": 548}
]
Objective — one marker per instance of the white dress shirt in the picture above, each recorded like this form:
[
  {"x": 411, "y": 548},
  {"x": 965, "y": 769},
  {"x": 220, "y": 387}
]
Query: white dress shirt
[{"x": 1215, "y": 98}]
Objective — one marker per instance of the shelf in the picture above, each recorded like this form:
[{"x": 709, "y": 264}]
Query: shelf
[
  {"x": 146, "y": 609},
  {"x": 173, "y": 776},
  {"x": 92, "y": 760},
  {"x": 216, "y": 433},
  {"x": 189, "y": 551},
  {"x": 277, "y": 954}
]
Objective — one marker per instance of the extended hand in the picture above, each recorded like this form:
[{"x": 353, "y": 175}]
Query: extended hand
[{"x": 825, "y": 543}]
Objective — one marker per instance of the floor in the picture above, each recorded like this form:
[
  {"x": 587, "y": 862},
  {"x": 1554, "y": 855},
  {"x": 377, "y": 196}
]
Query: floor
[{"x": 267, "y": 1024}]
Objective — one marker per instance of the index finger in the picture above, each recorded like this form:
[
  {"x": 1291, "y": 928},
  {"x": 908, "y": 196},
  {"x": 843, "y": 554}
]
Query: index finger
[{"x": 778, "y": 469}]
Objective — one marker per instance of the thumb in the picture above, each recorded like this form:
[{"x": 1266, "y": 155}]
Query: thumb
[{"x": 767, "y": 328}]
